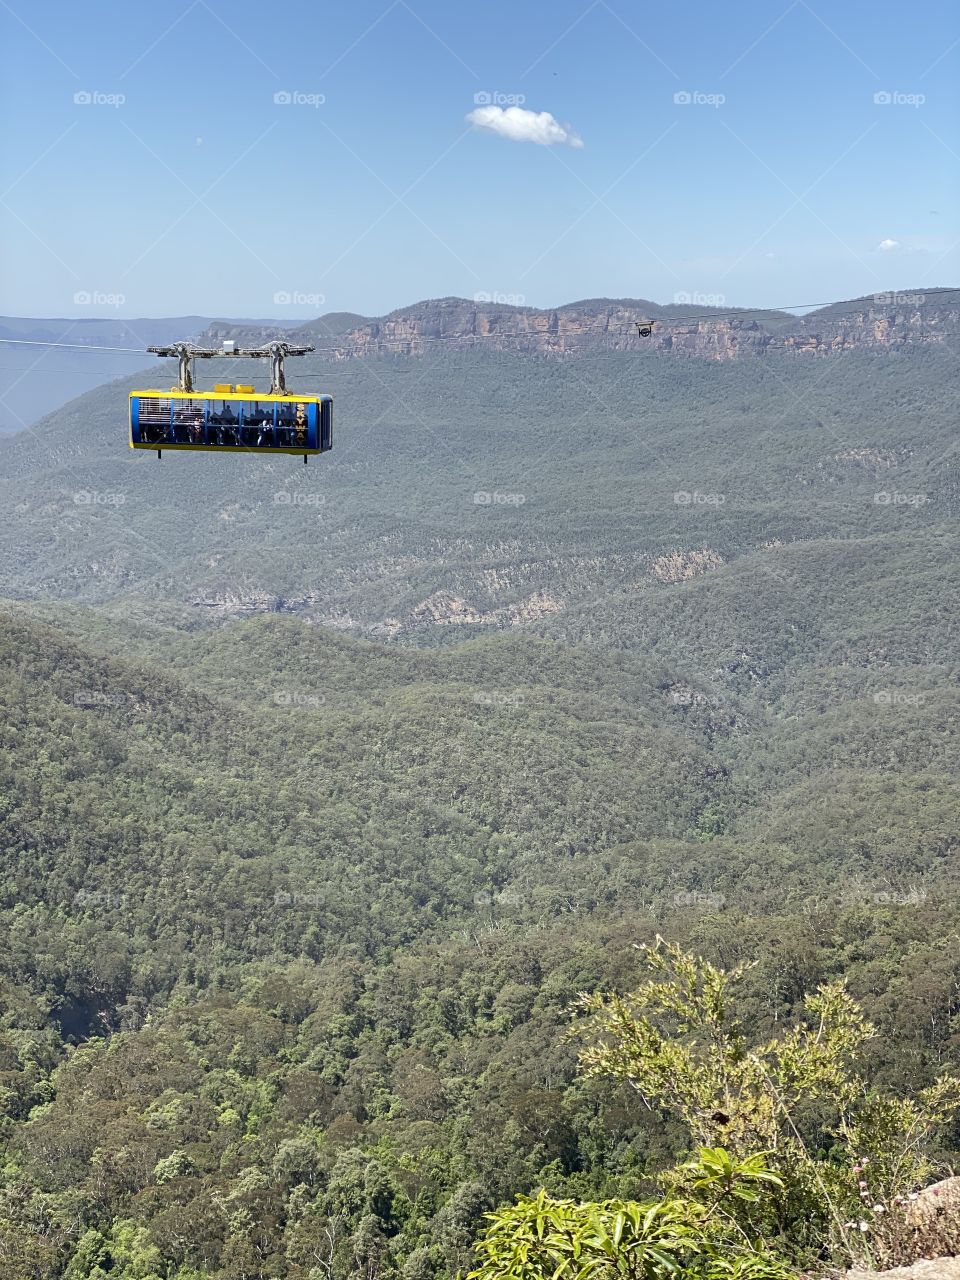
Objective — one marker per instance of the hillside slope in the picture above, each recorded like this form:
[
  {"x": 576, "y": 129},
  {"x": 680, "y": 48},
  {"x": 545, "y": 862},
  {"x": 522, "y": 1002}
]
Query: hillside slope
[{"x": 478, "y": 492}]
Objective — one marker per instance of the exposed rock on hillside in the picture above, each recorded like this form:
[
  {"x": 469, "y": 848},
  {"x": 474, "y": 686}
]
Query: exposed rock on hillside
[
  {"x": 679, "y": 566},
  {"x": 445, "y": 608},
  {"x": 711, "y": 333}
]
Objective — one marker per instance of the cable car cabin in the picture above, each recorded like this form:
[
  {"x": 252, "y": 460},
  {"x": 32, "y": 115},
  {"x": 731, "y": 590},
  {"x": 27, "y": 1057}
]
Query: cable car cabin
[{"x": 231, "y": 419}]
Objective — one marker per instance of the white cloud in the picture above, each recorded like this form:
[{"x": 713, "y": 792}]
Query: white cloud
[
  {"x": 520, "y": 125},
  {"x": 887, "y": 245}
]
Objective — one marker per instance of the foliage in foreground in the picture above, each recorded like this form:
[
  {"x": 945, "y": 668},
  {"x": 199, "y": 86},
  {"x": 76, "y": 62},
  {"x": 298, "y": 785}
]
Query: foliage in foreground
[
  {"x": 567, "y": 1240},
  {"x": 805, "y": 1161}
]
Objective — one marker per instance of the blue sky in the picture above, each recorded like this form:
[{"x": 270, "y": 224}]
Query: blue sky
[{"x": 184, "y": 186}]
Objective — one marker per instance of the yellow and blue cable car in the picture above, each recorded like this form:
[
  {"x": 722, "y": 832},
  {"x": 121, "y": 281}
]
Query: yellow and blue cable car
[{"x": 231, "y": 419}]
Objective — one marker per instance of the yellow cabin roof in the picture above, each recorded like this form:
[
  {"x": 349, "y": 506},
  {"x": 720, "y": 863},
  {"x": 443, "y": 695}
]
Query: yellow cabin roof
[{"x": 168, "y": 393}]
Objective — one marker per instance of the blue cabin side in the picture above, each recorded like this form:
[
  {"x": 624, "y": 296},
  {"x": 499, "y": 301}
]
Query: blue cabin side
[{"x": 223, "y": 420}]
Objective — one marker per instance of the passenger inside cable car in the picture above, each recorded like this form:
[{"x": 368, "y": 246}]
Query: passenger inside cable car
[
  {"x": 227, "y": 413},
  {"x": 184, "y": 415},
  {"x": 257, "y": 429},
  {"x": 225, "y": 423},
  {"x": 196, "y": 421},
  {"x": 285, "y": 424}
]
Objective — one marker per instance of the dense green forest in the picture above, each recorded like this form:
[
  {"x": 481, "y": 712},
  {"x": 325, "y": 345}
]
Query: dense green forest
[
  {"x": 288, "y": 967},
  {"x": 304, "y": 875}
]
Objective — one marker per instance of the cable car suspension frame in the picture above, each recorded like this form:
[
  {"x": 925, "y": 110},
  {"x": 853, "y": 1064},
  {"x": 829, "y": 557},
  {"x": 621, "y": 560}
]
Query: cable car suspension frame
[{"x": 276, "y": 351}]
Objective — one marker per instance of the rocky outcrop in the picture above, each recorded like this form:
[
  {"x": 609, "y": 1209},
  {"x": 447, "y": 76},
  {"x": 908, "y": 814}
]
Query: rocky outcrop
[
  {"x": 680, "y": 566},
  {"x": 711, "y": 333},
  {"x": 444, "y": 608},
  {"x": 925, "y": 1269},
  {"x": 935, "y": 1205},
  {"x": 932, "y": 1221}
]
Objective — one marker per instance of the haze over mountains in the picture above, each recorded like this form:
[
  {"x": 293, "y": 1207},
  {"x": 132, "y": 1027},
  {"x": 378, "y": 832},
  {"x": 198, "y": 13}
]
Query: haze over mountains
[{"x": 36, "y": 380}]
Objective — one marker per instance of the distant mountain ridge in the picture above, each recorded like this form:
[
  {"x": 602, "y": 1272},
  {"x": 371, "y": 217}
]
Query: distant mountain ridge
[
  {"x": 39, "y": 382},
  {"x": 121, "y": 330},
  {"x": 882, "y": 320}
]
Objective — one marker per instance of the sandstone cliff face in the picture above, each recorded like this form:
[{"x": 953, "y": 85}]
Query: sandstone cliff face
[{"x": 904, "y": 320}]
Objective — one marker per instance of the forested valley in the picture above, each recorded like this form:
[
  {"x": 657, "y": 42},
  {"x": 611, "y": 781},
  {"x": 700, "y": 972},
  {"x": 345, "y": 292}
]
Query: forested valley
[{"x": 321, "y": 814}]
